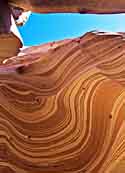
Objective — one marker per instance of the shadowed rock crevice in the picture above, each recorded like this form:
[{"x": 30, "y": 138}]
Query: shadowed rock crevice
[{"x": 5, "y": 17}]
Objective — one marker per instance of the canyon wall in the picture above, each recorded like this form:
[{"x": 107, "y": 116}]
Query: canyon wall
[
  {"x": 62, "y": 104},
  {"x": 62, "y": 107},
  {"x": 10, "y": 39},
  {"x": 79, "y": 6}
]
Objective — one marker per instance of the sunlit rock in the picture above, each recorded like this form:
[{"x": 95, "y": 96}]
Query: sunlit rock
[{"x": 63, "y": 105}]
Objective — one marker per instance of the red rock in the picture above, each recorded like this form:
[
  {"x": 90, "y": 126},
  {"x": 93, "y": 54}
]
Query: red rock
[
  {"x": 62, "y": 107},
  {"x": 10, "y": 39},
  {"x": 79, "y": 6}
]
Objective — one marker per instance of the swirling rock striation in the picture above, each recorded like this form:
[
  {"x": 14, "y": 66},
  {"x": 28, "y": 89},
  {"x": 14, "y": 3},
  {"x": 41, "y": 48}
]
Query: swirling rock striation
[{"x": 62, "y": 107}]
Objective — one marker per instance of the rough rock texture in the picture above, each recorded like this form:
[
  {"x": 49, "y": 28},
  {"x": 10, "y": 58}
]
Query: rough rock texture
[
  {"x": 82, "y": 6},
  {"x": 10, "y": 9},
  {"x": 62, "y": 107},
  {"x": 10, "y": 39},
  {"x": 9, "y": 46},
  {"x": 20, "y": 15}
]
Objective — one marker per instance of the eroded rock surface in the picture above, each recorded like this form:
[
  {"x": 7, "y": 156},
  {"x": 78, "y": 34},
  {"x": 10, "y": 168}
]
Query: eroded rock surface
[
  {"x": 63, "y": 107},
  {"x": 81, "y": 6},
  {"x": 10, "y": 39}
]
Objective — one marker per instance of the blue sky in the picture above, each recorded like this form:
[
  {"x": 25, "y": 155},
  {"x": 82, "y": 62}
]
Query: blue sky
[{"x": 43, "y": 28}]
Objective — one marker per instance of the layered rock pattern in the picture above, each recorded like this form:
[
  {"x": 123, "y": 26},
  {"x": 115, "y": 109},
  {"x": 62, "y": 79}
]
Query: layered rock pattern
[
  {"x": 81, "y": 6},
  {"x": 62, "y": 107}
]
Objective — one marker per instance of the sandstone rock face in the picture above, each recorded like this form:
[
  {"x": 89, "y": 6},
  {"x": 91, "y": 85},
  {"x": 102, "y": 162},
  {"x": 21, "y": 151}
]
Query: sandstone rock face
[
  {"x": 82, "y": 6},
  {"x": 9, "y": 46},
  {"x": 10, "y": 39},
  {"x": 63, "y": 107}
]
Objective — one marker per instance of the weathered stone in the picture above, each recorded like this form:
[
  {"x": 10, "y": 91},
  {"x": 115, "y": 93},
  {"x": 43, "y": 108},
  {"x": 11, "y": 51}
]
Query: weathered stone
[
  {"x": 79, "y": 6},
  {"x": 10, "y": 39},
  {"x": 62, "y": 104},
  {"x": 63, "y": 107},
  {"x": 20, "y": 15},
  {"x": 9, "y": 46}
]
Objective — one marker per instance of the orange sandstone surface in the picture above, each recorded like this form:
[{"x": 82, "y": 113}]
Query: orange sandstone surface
[
  {"x": 10, "y": 39},
  {"x": 62, "y": 107},
  {"x": 81, "y": 6}
]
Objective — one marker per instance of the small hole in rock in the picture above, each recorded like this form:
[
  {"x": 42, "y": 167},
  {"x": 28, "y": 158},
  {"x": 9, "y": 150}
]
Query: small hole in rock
[
  {"x": 20, "y": 70},
  {"x": 29, "y": 137},
  {"x": 110, "y": 116}
]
